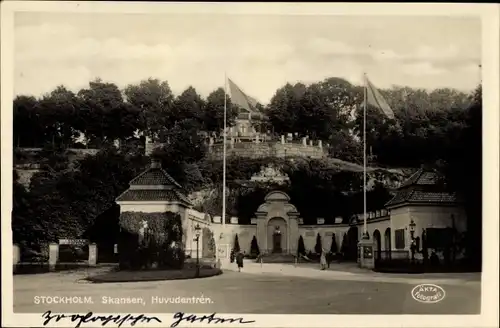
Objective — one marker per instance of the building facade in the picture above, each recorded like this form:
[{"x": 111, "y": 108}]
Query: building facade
[{"x": 419, "y": 207}]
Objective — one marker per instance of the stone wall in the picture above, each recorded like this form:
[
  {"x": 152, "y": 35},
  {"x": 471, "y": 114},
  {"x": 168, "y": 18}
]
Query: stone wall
[{"x": 267, "y": 149}]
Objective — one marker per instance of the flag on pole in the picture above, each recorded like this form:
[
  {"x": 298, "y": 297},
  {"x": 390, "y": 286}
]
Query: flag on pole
[
  {"x": 240, "y": 98},
  {"x": 375, "y": 99}
]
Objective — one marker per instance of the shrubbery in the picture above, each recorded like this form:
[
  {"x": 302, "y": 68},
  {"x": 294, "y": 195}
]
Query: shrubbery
[
  {"x": 159, "y": 247},
  {"x": 301, "y": 248}
]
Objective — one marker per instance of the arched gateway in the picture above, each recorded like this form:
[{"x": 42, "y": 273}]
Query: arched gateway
[{"x": 277, "y": 224}]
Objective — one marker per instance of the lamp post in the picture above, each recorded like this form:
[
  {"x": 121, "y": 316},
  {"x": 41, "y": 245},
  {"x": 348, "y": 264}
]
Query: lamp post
[
  {"x": 197, "y": 232},
  {"x": 412, "y": 234}
]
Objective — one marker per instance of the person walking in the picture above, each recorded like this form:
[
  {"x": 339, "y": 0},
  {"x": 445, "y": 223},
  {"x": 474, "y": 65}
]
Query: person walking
[
  {"x": 322, "y": 260},
  {"x": 329, "y": 257},
  {"x": 239, "y": 260}
]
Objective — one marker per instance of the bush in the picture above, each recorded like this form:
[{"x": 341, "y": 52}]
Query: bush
[
  {"x": 254, "y": 248},
  {"x": 301, "y": 248},
  {"x": 318, "y": 248},
  {"x": 344, "y": 246},
  {"x": 333, "y": 247},
  {"x": 160, "y": 247},
  {"x": 236, "y": 247}
]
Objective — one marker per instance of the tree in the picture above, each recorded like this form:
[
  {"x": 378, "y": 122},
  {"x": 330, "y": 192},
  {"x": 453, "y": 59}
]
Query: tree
[
  {"x": 318, "y": 248},
  {"x": 153, "y": 99},
  {"x": 213, "y": 117},
  {"x": 254, "y": 247},
  {"x": 188, "y": 106},
  {"x": 333, "y": 247},
  {"x": 184, "y": 147},
  {"x": 301, "y": 248},
  {"x": 284, "y": 109},
  {"x": 236, "y": 246},
  {"x": 103, "y": 116},
  {"x": 463, "y": 174},
  {"x": 59, "y": 114},
  {"x": 315, "y": 115},
  {"x": 27, "y": 130},
  {"x": 65, "y": 203}
]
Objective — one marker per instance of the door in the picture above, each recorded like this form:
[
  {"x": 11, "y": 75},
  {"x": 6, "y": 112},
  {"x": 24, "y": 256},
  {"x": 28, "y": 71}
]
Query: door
[{"x": 277, "y": 243}]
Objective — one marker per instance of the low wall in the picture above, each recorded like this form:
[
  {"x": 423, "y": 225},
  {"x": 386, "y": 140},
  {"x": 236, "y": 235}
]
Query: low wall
[
  {"x": 309, "y": 234},
  {"x": 266, "y": 149}
]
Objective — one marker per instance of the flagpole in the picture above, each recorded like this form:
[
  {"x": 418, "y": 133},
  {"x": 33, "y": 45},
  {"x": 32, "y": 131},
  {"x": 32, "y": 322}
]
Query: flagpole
[
  {"x": 224, "y": 156},
  {"x": 364, "y": 157}
]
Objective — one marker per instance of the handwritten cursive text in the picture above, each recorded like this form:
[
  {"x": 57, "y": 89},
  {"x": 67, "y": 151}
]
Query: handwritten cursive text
[
  {"x": 90, "y": 317},
  {"x": 181, "y": 316}
]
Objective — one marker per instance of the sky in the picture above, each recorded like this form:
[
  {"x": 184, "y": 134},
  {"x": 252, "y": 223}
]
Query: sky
[{"x": 260, "y": 53}]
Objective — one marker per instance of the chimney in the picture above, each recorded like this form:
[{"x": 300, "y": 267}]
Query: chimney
[{"x": 155, "y": 164}]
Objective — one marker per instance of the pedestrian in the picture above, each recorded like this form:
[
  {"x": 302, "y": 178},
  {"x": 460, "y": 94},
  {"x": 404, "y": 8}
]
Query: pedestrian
[
  {"x": 239, "y": 260},
  {"x": 322, "y": 260},
  {"x": 329, "y": 257}
]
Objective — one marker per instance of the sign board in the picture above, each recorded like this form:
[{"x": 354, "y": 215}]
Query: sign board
[
  {"x": 223, "y": 251},
  {"x": 367, "y": 252},
  {"x": 73, "y": 242}
]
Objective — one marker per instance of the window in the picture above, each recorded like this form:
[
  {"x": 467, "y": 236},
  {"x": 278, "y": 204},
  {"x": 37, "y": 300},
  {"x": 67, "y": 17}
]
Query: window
[{"x": 400, "y": 238}]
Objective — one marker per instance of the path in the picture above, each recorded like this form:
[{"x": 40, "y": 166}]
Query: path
[{"x": 349, "y": 272}]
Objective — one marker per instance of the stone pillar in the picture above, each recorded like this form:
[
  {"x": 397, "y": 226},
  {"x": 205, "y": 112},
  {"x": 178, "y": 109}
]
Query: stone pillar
[
  {"x": 282, "y": 139},
  {"x": 16, "y": 254},
  {"x": 366, "y": 258},
  {"x": 311, "y": 143},
  {"x": 320, "y": 144},
  {"x": 53, "y": 256},
  {"x": 304, "y": 141},
  {"x": 262, "y": 233},
  {"x": 92, "y": 255}
]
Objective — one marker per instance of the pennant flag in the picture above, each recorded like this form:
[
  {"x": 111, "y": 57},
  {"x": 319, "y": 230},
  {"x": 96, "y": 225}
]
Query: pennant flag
[
  {"x": 375, "y": 98},
  {"x": 240, "y": 98}
]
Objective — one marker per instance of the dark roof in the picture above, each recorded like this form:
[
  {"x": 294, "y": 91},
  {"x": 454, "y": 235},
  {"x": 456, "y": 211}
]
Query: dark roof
[
  {"x": 421, "y": 197},
  {"x": 134, "y": 195},
  {"x": 421, "y": 178},
  {"x": 422, "y": 187},
  {"x": 154, "y": 184},
  {"x": 154, "y": 177}
]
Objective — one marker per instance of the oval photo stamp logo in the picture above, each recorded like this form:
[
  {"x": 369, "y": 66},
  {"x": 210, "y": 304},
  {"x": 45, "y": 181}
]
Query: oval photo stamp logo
[{"x": 428, "y": 293}]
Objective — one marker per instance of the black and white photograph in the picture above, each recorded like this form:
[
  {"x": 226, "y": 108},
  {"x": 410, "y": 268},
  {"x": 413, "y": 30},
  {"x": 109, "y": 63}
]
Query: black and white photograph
[{"x": 197, "y": 164}]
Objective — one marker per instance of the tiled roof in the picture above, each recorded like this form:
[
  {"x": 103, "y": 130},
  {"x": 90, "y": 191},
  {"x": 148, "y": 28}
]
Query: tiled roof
[
  {"x": 421, "y": 178},
  {"x": 134, "y": 195},
  {"x": 422, "y": 188},
  {"x": 422, "y": 197},
  {"x": 153, "y": 177},
  {"x": 154, "y": 184}
]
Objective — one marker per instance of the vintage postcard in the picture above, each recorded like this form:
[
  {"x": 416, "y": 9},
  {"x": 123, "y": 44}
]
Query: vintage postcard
[{"x": 249, "y": 164}]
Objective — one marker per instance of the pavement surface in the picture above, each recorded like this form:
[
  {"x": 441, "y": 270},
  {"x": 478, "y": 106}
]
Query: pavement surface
[{"x": 275, "y": 289}]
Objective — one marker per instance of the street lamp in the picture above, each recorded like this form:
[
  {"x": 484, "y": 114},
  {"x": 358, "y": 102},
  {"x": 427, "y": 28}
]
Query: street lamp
[
  {"x": 412, "y": 229},
  {"x": 197, "y": 232},
  {"x": 412, "y": 234}
]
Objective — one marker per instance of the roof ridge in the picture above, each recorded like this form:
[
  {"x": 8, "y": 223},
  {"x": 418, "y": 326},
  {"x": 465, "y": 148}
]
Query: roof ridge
[
  {"x": 171, "y": 179},
  {"x": 413, "y": 178},
  {"x": 140, "y": 175}
]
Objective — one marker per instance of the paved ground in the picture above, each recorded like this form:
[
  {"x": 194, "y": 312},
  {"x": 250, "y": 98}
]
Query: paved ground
[{"x": 233, "y": 292}]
